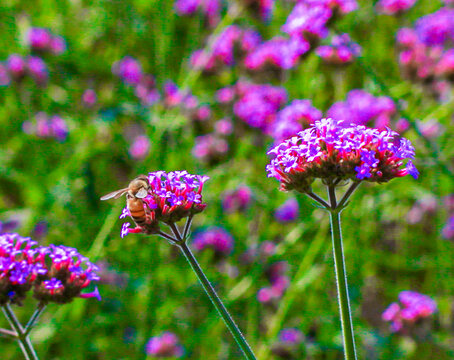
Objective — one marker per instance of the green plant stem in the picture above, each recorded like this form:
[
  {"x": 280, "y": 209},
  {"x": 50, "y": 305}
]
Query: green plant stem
[
  {"x": 216, "y": 301},
  {"x": 39, "y": 310},
  {"x": 24, "y": 341},
  {"x": 341, "y": 277}
]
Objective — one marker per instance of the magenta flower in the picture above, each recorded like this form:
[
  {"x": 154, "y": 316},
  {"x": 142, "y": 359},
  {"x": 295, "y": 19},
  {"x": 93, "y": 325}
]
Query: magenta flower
[
  {"x": 89, "y": 98},
  {"x": 258, "y": 104},
  {"x": 296, "y": 116},
  {"x": 171, "y": 197},
  {"x": 411, "y": 307},
  {"x": 146, "y": 90},
  {"x": 331, "y": 150},
  {"x": 291, "y": 336},
  {"x": 210, "y": 148},
  {"x": 4, "y": 75},
  {"x": 44, "y": 126},
  {"x": 278, "y": 52},
  {"x": 37, "y": 69},
  {"x": 342, "y": 51},
  {"x": 394, "y": 7},
  {"x": 16, "y": 66},
  {"x": 237, "y": 200},
  {"x": 39, "y": 38},
  {"x": 276, "y": 274},
  {"x": 436, "y": 28},
  {"x": 288, "y": 211},
  {"x": 164, "y": 345},
  {"x": 215, "y": 238},
  {"x": 128, "y": 69},
  {"x": 140, "y": 147},
  {"x": 448, "y": 229}
]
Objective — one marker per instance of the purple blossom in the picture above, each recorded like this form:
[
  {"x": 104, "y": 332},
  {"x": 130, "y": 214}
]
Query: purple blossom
[
  {"x": 44, "y": 126},
  {"x": 53, "y": 284},
  {"x": 38, "y": 69},
  {"x": 39, "y": 38},
  {"x": 16, "y": 66},
  {"x": 411, "y": 307},
  {"x": 288, "y": 211},
  {"x": 140, "y": 147},
  {"x": 394, "y": 7},
  {"x": 237, "y": 200},
  {"x": 436, "y": 28},
  {"x": 342, "y": 51},
  {"x": 210, "y": 148},
  {"x": 129, "y": 69},
  {"x": 448, "y": 230},
  {"x": 329, "y": 144},
  {"x": 164, "y": 345},
  {"x": 89, "y": 98},
  {"x": 215, "y": 238},
  {"x": 291, "y": 336},
  {"x": 4, "y": 75}
]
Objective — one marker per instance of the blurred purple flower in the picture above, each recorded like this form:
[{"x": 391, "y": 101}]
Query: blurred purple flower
[
  {"x": 436, "y": 28},
  {"x": 39, "y": 38},
  {"x": 16, "y": 66},
  {"x": 44, "y": 126},
  {"x": 224, "y": 126},
  {"x": 215, "y": 238},
  {"x": 291, "y": 336},
  {"x": 57, "y": 45},
  {"x": 342, "y": 51},
  {"x": 140, "y": 147},
  {"x": 164, "y": 345},
  {"x": 412, "y": 306},
  {"x": 38, "y": 69},
  {"x": 210, "y": 148},
  {"x": 448, "y": 229},
  {"x": 288, "y": 211},
  {"x": 128, "y": 69},
  {"x": 394, "y": 7},
  {"x": 89, "y": 98},
  {"x": 237, "y": 200},
  {"x": 426, "y": 205},
  {"x": 4, "y": 75}
]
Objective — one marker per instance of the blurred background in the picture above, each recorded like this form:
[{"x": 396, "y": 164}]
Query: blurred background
[{"x": 94, "y": 93}]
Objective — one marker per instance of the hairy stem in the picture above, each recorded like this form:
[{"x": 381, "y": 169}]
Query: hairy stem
[
  {"x": 24, "y": 341},
  {"x": 39, "y": 310},
  {"x": 242, "y": 343},
  {"x": 341, "y": 278}
]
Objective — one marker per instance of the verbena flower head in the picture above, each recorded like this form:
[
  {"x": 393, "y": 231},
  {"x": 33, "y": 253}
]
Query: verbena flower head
[
  {"x": 19, "y": 266},
  {"x": 448, "y": 230},
  {"x": 164, "y": 345},
  {"x": 89, "y": 98},
  {"x": 296, "y": 116},
  {"x": 237, "y": 200},
  {"x": 67, "y": 274},
  {"x": 45, "y": 126},
  {"x": 215, "y": 238},
  {"x": 342, "y": 51},
  {"x": 37, "y": 69},
  {"x": 436, "y": 28},
  {"x": 394, "y": 7},
  {"x": 128, "y": 69},
  {"x": 171, "y": 197},
  {"x": 288, "y": 211},
  {"x": 278, "y": 52},
  {"x": 56, "y": 273},
  {"x": 411, "y": 307},
  {"x": 291, "y": 336},
  {"x": 210, "y": 148},
  {"x": 333, "y": 150},
  {"x": 140, "y": 147},
  {"x": 276, "y": 274}
]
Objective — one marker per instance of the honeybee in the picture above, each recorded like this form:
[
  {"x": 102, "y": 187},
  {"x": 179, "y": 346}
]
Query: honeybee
[{"x": 135, "y": 192}]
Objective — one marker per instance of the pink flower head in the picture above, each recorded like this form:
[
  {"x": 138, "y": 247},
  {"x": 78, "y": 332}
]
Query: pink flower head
[
  {"x": 39, "y": 38},
  {"x": 171, "y": 197},
  {"x": 278, "y": 52},
  {"x": 291, "y": 336},
  {"x": 448, "y": 230},
  {"x": 215, "y": 238},
  {"x": 16, "y": 66},
  {"x": 237, "y": 200},
  {"x": 340, "y": 7},
  {"x": 258, "y": 104},
  {"x": 394, "y": 7},
  {"x": 37, "y": 69},
  {"x": 288, "y": 211},
  {"x": 186, "y": 7},
  {"x": 47, "y": 127},
  {"x": 356, "y": 152},
  {"x": 224, "y": 126},
  {"x": 437, "y": 28},
  {"x": 128, "y": 69},
  {"x": 209, "y": 148},
  {"x": 296, "y": 116},
  {"x": 164, "y": 345},
  {"x": 342, "y": 51},
  {"x": 57, "y": 45},
  {"x": 89, "y": 98},
  {"x": 4, "y": 75},
  {"x": 140, "y": 147},
  {"x": 411, "y": 307}
]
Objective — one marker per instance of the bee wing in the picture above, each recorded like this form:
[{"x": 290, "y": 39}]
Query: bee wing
[
  {"x": 115, "y": 194},
  {"x": 141, "y": 193}
]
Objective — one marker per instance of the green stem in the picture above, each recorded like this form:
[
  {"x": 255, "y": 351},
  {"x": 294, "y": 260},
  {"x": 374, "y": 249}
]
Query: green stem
[
  {"x": 24, "y": 341},
  {"x": 217, "y": 302},
  {"x": 341, "y": 278},
  {"x": 39, "y": 310}
]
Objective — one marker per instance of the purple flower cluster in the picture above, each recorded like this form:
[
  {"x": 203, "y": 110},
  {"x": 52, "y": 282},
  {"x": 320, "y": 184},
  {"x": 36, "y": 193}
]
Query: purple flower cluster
[
  {"x": 448, "y": 230},
  {"x": 276, "y": 274},
  {"x": 173, "y": 97},
  {"x": 171, "y": 197},
  {"x": 342, "y": 51},
  {"x": 394, "y": 7},
  {"x": 130, "y": 71},
  {"x": 310, "y": 18},
  {"x": 426, "y": 53},
  {"x": 56, "y": 273},
  {"x": 140, "y": 147},
  {"x": 288, "y": 211},
  {"x": 215, "y": 238},
  {"x": 296, "y": 116},
  {"x": 332, "y": 150},
  {"x": 89, "y": 98},
  {"x": 45, "y": 126},
  {"x": 411, "y": 307},
  {"x": 258, "y": 104},
  {"x": 288, "y": 343},
  {"x": 17, "y": 68},
  {"x": 210, "y": 148},
  {"x": 42, "y": 40},
  {"x": 209, "y": 8},
  {"x": 362, "y": 108},
  {"x": 237, "y": 200},
  {"x": 164, "y": 345}
]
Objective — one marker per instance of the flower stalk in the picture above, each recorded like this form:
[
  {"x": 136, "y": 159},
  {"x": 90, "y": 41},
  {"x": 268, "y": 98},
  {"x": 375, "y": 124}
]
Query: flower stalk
[
  {"x": 217, "y": 302},
  {"x": 21, "y": 334}
]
